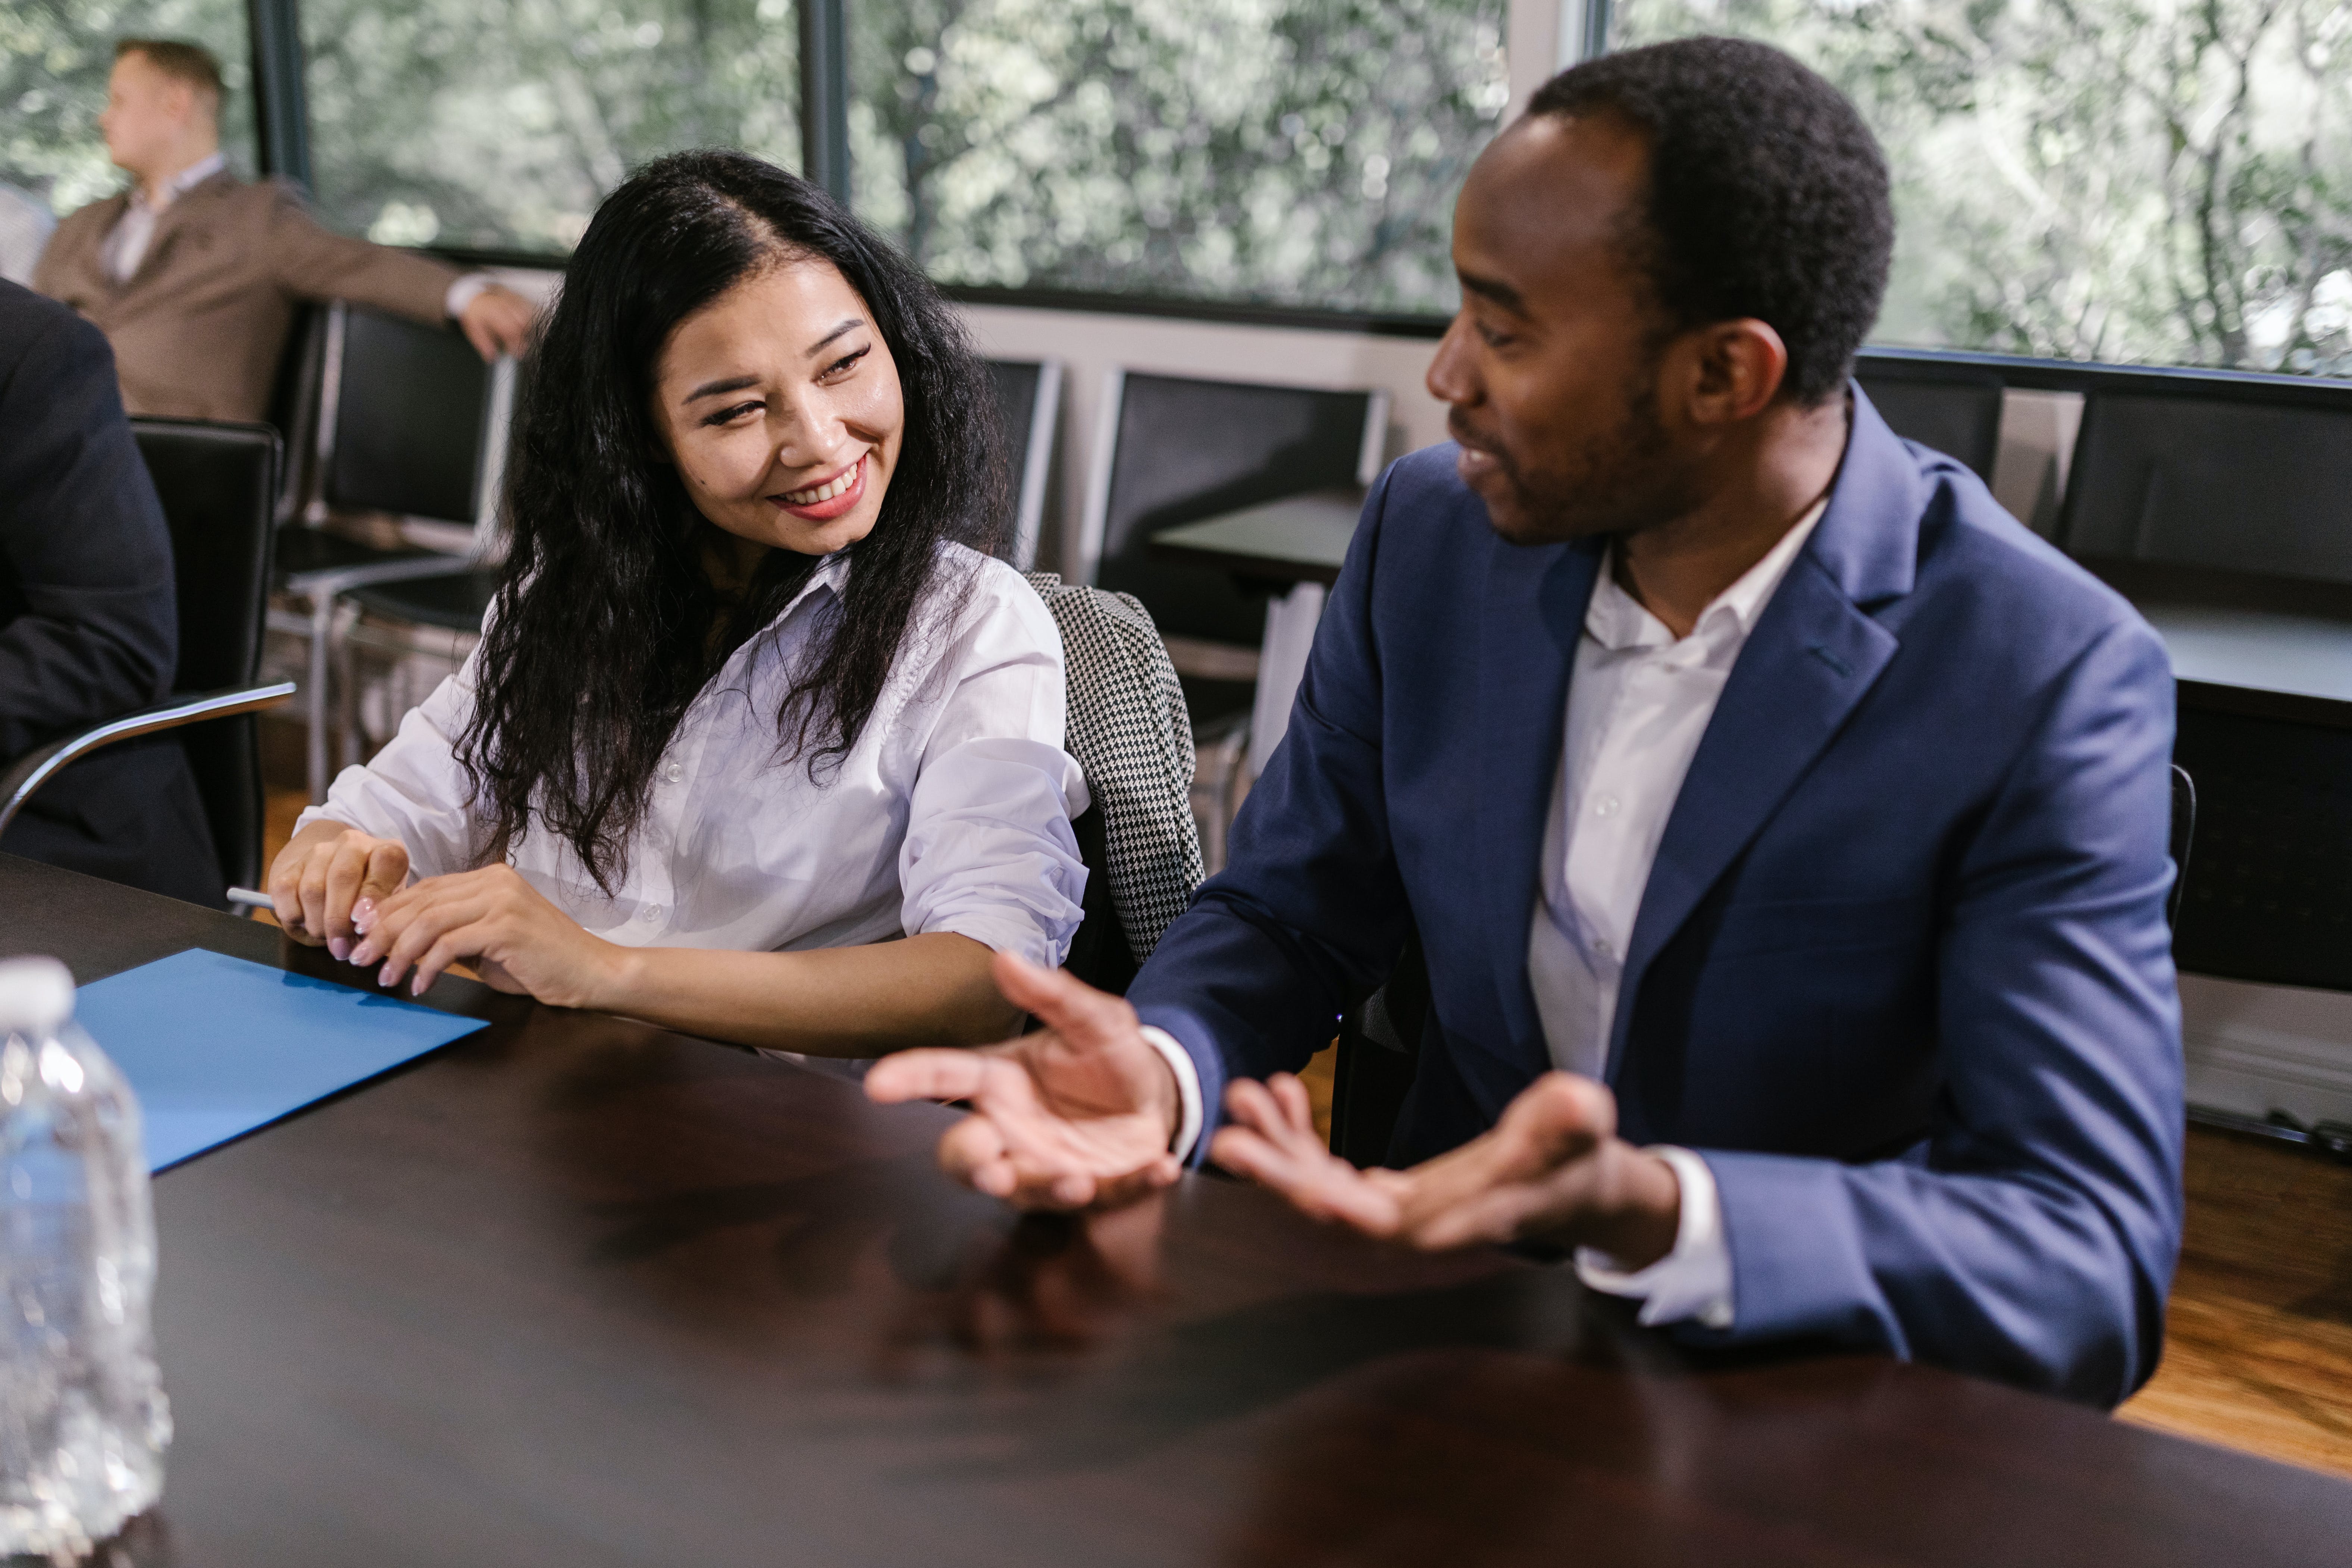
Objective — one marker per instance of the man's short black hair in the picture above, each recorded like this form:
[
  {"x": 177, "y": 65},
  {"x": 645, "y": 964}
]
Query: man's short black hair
[{"x": 1767, "y": 195}]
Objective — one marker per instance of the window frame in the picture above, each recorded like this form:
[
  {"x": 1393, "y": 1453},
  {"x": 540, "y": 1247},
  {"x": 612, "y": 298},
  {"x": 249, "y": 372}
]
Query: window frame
[{"x": 1548, "y": 35}]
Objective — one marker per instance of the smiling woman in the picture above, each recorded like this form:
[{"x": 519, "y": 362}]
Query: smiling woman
[{"x": 749, "y": 705}]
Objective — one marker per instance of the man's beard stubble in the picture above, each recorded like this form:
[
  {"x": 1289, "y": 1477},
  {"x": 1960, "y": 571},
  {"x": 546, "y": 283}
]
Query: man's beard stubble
[{"x": 1621, "y": 482}]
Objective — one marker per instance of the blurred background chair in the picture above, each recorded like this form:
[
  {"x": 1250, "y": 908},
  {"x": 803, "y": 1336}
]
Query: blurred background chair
[
  {"x": 1029, "y": 402},
  {"x": 218, "y": 484},
  {"x": 1172, "y": 450},
  {"x": 1952, "y": 408},
  {"x": 411, "y": 429}
]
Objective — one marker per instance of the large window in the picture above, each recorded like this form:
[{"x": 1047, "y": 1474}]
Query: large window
[
  {"x": 54, "y": 60},
  {"x": 1290, "y": 152},
  {"x": 500, "y": 124},
  {"x": 2138, "y": 181}
]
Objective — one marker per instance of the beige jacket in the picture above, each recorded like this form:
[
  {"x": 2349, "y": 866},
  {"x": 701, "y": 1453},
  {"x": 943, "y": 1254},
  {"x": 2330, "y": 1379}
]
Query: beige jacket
[{"x": 199, "y": 328}]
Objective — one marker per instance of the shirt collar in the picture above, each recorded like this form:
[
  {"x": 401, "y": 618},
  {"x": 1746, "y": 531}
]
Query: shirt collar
[
  {"x": 187, "y": 180},
  {"x": 1615, "y": 619}
]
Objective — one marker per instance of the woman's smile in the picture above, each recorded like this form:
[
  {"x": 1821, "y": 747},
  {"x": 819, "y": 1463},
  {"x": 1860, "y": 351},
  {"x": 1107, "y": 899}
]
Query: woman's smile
[{"x": 829, "y": 498}]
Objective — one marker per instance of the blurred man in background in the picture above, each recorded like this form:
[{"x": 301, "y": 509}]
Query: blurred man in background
[{"x": 195, "y": 275}]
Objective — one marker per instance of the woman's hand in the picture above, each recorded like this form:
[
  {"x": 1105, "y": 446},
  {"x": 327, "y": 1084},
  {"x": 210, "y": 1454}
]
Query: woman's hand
[
  {"x": 322, "y": 873},
  {"x": 495, "y": 920}
]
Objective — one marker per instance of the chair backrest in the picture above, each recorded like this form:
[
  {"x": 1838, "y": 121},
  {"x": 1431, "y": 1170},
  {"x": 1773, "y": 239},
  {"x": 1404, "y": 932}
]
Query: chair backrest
[
  {"x": 1029, "y": 402},
  {"x": 1954, "y": 409},
  {"x": 2251, "y": 481},
  {"x": 2272, "y": 897},
  {"x": 1133, "y": 739},
  {"x": 411, "y": 422},
  {"x": 1174, "y": 450},
  {"x": 218, "y": 484},
  {"x": 294, "y": 406}
]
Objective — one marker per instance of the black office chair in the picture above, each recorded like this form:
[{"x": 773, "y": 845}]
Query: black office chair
[
  {"x": 1174, "y": 450},
  {"x": 218, "y": 484},
  {"x": 1029, "y": 402},
  {"x": 2254, "y": 479},
  {"x": 1953, "y": 409},
  {"x": 412, "y": 423},
  {"x": 1380, "y": 1037}
]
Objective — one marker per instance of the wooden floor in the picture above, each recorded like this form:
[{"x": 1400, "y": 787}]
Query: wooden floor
[
  {"x": 2258, "y": 1346},
  {"x": 2258, "y": 1349}
]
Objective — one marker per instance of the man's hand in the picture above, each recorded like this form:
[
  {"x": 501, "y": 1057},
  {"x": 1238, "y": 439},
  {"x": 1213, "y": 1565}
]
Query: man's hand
[
  {"x": 515, "y": 939},
  {"x": 322, "y": 873},
  {"x": 497, "y": 321},
  {"x": 1079, "y": 1113},
  {"x": 1553, "y": 1169}
]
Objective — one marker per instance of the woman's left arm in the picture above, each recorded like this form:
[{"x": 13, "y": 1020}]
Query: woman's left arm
[
  {"x": 989, "y": 862},
  {"x": 933, "y": 989}
]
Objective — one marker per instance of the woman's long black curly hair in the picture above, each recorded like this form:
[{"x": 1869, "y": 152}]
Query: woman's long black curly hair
[{"x": 600, "y": 635}]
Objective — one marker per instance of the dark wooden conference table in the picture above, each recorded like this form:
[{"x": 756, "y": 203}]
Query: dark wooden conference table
[{"x": 577, "y": 1291}]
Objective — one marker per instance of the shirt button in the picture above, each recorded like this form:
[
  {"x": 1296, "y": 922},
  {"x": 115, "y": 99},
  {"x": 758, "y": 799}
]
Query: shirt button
[
  {"x": 1602, "y": 947},
  {"x": 650, "y": 913},
  {"x": 1607, "y": 807},
  {"x": 674, "y": 772}
]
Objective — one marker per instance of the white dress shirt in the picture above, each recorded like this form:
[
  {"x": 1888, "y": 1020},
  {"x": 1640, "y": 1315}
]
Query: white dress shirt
[
  {"x": 125, "y": 244},
  {"x": 952, "y": 812},
  {"x": 1639, "y": 701}
]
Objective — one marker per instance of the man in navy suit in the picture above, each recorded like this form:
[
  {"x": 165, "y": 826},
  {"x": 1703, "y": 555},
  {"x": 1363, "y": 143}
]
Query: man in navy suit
[
  {"x": 1785, "y": 826},
  {"x": 89, "y": 613}
]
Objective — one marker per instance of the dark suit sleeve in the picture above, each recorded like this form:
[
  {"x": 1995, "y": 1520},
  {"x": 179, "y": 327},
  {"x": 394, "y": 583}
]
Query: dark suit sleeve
[
  {"x": 96, "y": 630},
  {"x": 1310, "y": 912},
  {"x": 2033, "y": 1238}
]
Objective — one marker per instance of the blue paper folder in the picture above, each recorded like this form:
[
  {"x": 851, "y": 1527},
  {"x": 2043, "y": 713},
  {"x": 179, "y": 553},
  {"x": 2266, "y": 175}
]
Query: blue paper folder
[{"x": 215, "y": 1046}]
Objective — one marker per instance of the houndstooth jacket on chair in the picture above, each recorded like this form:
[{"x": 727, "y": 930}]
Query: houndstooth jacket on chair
[{"x": 1130, "y": 733}]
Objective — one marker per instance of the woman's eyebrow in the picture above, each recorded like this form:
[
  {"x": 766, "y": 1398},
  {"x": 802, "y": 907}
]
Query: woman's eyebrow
[
  {"x": 850, "y": 325},
  {"x": 713, "y": 388}
]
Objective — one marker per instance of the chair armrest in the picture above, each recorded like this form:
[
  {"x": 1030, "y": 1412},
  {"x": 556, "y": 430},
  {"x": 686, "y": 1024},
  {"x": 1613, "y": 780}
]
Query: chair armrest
[
  {"x": 332, "y": 582},
  {"x": 37, "y": 767}
]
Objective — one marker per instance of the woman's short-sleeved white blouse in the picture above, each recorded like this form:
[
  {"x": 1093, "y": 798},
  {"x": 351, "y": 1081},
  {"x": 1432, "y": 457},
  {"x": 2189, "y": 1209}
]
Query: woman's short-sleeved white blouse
[{"x": 950, "y": 813}]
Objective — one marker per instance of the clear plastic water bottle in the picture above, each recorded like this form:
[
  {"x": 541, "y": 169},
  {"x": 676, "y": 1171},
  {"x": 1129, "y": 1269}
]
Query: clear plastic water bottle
[{"x": 83, "y": 1421}]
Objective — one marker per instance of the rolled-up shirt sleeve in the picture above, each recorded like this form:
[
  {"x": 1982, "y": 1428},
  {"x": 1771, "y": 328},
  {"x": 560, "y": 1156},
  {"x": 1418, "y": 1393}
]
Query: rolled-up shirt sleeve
[
  {"x": 989, "y": 852},
  {"x": 414, "y": 790}
]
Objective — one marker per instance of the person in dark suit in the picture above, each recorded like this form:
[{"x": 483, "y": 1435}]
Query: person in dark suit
[
  {"x": 1784, "y": 824},
  {"x": 88, "y": 620}
]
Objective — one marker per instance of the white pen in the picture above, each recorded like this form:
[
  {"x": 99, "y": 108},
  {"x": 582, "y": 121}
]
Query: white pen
[{"x": 251, "y": 899}]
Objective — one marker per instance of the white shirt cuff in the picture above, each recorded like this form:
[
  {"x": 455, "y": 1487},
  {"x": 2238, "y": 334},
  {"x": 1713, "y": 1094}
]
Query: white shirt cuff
[
  {"x": 1188, "y": 1087},
  {"x": 1693, "y": 1280},
  {"x": 464, "y": 292}
]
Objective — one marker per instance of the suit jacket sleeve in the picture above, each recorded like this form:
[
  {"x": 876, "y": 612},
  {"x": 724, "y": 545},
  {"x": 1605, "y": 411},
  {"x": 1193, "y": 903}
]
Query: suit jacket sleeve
[
  {"x": 1310, "y": 914},
  {"x": 2032, "y": 1237},
  {"x": 97, "y": 631},
  {"x": 313, "y": 263}
]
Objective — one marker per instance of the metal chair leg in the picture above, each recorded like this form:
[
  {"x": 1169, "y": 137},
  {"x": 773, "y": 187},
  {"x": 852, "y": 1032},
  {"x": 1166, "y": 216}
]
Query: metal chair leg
[{"x": 314, "y": 695}]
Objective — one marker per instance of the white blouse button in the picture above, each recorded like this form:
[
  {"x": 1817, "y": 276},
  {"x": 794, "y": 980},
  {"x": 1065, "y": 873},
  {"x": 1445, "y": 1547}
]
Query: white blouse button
[
  {"x": 673, "y": 771},
  {"x": 1607, "y": 807},
  {"x": 650, "y": 913}
]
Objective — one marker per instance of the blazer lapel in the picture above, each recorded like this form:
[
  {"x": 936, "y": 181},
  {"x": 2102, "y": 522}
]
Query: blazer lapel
[
  {"x": 1815, "y": 655},
  {"x": 1528, "y": 629}
]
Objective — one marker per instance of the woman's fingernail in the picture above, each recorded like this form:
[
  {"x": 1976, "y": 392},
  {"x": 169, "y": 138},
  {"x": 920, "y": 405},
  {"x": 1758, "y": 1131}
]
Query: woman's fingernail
[
  {"x": 364, "y": 909},
  {"x": 416, "y": 987},
  {"x": 361, "y": 954},
  {"x": 387, "y": 974},
  {"x": 340, "y": 947}
]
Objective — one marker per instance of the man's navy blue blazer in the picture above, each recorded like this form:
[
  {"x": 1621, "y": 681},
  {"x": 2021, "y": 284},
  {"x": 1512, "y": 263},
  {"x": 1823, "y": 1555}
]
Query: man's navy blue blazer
[{"x": 1901, "y": 973}]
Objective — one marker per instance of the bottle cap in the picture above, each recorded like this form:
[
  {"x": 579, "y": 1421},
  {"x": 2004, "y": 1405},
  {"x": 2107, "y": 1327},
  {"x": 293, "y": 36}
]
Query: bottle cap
[{"x": 36, "y": 996}]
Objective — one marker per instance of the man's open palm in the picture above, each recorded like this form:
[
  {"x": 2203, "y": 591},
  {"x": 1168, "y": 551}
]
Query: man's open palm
[{"x": 1081, "y": 1112}]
